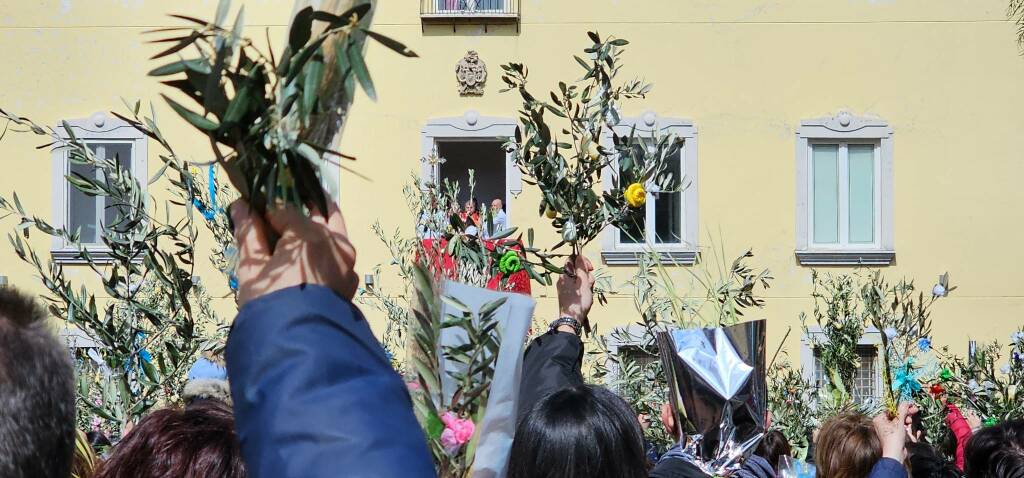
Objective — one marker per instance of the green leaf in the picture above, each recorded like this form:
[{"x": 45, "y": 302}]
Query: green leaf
[
  {"x": 311, "y": 84},
  {"x": 619, "y": 42},
  {"x": 196, "y": 119},
  {"x": 197, "y": 65},
  {"x": 355, "y": 57},
  {"x": 222, "y": 11},
  {"x": 302, "y": 29},
  {"x": 394, "y": 45},
  {"x": 238, "y": 105}
]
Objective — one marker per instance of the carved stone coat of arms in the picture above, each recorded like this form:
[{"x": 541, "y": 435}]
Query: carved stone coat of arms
[{"x": 472, "y": 74}]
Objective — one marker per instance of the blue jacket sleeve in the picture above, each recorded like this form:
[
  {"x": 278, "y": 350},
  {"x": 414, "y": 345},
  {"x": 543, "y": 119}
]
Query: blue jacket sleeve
[
  {"x": 888, "y": 468},
  {"x": 314, "y": 394}
]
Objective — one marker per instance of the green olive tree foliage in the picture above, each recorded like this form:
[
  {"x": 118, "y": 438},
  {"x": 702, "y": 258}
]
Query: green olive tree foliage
[
  {"x": 155, "y": 319},
  {"x": 272, "y": 113},
  {"x": 566, "y": 162}
]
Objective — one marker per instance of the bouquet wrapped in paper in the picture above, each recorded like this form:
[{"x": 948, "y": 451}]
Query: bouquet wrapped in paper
[
  {"x": 468, "y": 351},
  {"x": 717, "y": 392}
]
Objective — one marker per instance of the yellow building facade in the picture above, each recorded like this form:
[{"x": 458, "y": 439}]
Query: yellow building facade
[{"x": 914, "y": 105}]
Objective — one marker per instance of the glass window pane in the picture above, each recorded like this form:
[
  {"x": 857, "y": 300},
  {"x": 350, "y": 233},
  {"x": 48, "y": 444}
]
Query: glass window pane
[
  {"x": 668, "y": 208},
  {"x": 82, "y": 208},
  {"x": 825, "y": 193},
  {"x": 122, "y": 152},
  {"x": 632, "y": 231},
  {"x": 862, "y": 193}
]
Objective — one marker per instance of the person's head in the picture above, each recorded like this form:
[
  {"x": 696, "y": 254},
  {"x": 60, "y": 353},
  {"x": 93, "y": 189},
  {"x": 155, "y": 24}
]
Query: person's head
[
  {"x": 579, "y": 431},
  {"x": 469, "y": 207},
  {"x": 37, "y": 393},
  {"x": 847, "y": 447},
  {"x": 98, "y": 441},
  {"x": 996, "y": 451},
  {"x": 925, "y": 462},
  {"x": 197, "y": 441},
  {"x": 497, "y": 205},
  {"x": 773, "y": 447}
]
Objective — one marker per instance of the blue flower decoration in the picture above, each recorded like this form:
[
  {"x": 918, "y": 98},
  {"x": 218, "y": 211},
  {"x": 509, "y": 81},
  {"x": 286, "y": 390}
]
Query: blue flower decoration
[
  {"x": 233, "y": 282},
  {"x": 924, "y": 343},
  {"x": 905, "y": 382}
]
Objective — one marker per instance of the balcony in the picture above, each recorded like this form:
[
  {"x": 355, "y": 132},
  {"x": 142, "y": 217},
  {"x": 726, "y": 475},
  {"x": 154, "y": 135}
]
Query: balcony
[{"x": 469, "y": 11}]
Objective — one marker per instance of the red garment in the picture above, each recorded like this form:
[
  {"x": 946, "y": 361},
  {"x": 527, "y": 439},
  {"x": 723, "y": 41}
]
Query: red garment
[
  {"x": 518, "y": 281},
  {"x": 475, "y": 218},
  {"x": 961, "y": 430}
]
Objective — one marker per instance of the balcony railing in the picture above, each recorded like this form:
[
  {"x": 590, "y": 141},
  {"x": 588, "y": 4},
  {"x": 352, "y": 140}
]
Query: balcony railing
[{"x": 482, "y": 10}]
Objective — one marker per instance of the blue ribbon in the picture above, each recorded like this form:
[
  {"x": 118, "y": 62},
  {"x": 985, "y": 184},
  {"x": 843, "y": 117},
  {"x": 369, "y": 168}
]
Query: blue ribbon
[{"x": 209, "y": 212}]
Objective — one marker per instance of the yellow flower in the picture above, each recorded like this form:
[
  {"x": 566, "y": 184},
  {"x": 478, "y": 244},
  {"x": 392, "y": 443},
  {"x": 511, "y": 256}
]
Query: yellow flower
[
  {"x": 551, "y": 213},
  {"x": 635, "y": 195},
  {"x": 194, "y": 170}
]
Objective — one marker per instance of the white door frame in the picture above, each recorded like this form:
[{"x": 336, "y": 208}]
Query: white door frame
[{"x": 472, "y": 127}]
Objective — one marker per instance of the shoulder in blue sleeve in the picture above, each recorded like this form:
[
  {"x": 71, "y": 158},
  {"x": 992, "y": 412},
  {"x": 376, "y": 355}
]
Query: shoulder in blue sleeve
[{"x": 314, "y": 394}]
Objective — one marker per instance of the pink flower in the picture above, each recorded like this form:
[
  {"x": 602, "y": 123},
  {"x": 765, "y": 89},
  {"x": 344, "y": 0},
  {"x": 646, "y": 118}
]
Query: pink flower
[
  {"x": 413, "y": 386},
  {"x": 457, "y": 431}
]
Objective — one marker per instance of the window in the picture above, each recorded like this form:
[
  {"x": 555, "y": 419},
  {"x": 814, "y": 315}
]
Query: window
[
  {"x": 867, "y": 385},
  {"x": 865, "y": 381},
  {"x": 627, "y": 345},
  {"x": 490, "y": 11},
  {"x": 108, "y": 138},
  {"x": 473, "y": 142},
  {"x": 470, "y": 6},
  {"x": 669, "y": 223},
  {"x": 844, "y": 191}
]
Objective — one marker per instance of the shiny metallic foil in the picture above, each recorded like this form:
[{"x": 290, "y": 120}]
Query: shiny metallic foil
[{"x": 717, "y": 391}]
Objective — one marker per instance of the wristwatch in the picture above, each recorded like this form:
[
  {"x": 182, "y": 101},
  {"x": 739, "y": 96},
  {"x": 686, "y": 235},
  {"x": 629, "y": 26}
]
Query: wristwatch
[{"x": 567, "y": 320}]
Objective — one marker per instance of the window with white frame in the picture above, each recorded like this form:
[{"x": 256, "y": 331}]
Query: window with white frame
[
  {"x": 844, "y": 191},
  {"x": 867, "y": 381},
  {"x": 108, "y": 138},
  {"x": 669, "y": 222}
]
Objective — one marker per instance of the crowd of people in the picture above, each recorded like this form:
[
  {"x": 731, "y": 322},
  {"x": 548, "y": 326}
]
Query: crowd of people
[{"x": 312, "y": 393}]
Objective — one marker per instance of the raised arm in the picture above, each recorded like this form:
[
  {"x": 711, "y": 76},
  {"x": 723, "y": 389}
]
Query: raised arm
[
  {"x": 314, "y": 395},
  {"x": 554, "y": 360}
]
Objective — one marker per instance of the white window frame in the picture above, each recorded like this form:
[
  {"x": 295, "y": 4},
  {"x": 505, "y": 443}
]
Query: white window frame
[
  {"x": 871, "y": 337},
  {"x": 96, "y": 128},
  {"x": 472, "y": 127},
  {"x": 615, "y": 252},
  {"x": 845, "y": 129},
  {"x": 630, "y": 336}
]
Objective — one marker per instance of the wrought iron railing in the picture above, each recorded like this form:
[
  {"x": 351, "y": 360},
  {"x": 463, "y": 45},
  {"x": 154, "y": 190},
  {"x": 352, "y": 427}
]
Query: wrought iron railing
[{"x": 456, "y": 9}]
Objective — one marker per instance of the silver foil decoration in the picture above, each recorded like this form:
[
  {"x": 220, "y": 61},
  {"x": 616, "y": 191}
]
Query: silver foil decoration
[{"x": 717, "y": 391}]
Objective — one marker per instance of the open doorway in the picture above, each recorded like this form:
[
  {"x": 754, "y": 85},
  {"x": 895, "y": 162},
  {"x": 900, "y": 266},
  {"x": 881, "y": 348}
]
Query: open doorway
[{"x": 487, "y": 159}]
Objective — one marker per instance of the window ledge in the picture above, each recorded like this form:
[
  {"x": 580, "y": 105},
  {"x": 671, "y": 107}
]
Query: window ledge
[
  {"x": 845, "y": 258},
  {"x": 74, "y": 257},
  {"x": 627, "y": 258}
]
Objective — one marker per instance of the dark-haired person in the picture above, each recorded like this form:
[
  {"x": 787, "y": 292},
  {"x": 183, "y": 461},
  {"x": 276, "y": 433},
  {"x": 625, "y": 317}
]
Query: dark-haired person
[
  {"x": 567, "y": 428},
  {"x": 37, "y": 394},
  {"x": 996, "y": 451},
  {"x": 764, "y": 463},
  {"x": 198, "y": 441},
  {"x": 925, "y": 462},
  {"x": 314, "y": 393}
]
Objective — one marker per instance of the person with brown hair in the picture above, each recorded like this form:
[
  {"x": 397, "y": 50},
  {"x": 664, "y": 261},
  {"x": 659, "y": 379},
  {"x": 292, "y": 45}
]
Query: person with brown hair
[
  {"x": 851, "y": 445},
  {"x": 198, "y": 441}
]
